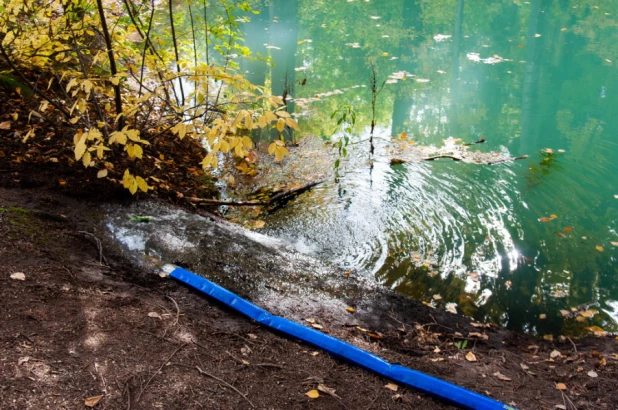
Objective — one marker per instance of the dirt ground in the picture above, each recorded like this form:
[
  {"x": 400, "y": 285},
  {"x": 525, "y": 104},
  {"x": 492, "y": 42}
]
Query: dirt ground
[{"x": 85, "y": 323}]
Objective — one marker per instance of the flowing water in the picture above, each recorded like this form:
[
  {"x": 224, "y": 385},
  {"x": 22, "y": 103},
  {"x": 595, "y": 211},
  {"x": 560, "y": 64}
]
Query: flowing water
[{"x": 519, "y": 243}]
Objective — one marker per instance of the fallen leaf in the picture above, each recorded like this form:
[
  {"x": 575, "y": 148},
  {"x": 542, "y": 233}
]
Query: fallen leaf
[
  {"x": 524, "y": 367},
  {"x": 18, "y": 276},
  {"x": 437, "y": 359},
  {"x": 316, "y": 326},
  {"x": 437, "y": 297},
  {"x": 479, "y": 335},
  {"x": 548, "y": 337},
  {"x": 560, "y": 406},
  {"x": 312, "y": 394},
  {"x": 593, "y": 374},
  {"x": 328, "y": 390},
  {"x": 602, "y": 362},
  {"x": 599, "y": 248},
  {"x": 561, "y": 386},
  {"x": 350, "y": 309},
  {"x": 375, "y": 336},
  {"x": 259, "y": 224},
  {"x": 102, "y": 173},
  {"x": 568, "y": 229},
  {"x": 471, "y": 357},
  {"x": 310, "y": 320},
  {"x": 5, "y": 125},
  {"x": 314, "y": 354},
  {"x": 554, "y": 354},
  {"x": 565, "y": 312},
  {"x": 23, "y": 360},
  {"x": 155, "y": 315},
  {"x": 451, "y": 307},
  {"x": 502, "y": 377},
  {"x": 392, "y": 386},
  {"x": 92, "y": 401},
  {"x": 252, "y": 336}
]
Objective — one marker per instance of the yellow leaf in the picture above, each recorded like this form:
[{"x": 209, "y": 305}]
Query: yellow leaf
[
  {"x": 280, "y": 125},
  {"x": 118, "y": 137},
  {"x": 548, "y": 337},
  {"x": 553, "y": 216},
  {"x": 292, "y": 124},
  {"x": 350, "y": 309},
  {"x": 283, "y": 114},
  {"x": 599, "y": 248},
  {"x": 280, "y": 152},
  {"x": 561, "y": 386},
  {"x": 80, "y": 147},
  {"x": 141, "y": 184},
  {"x": 259, "y": 224},
  {"x": 74, "y": 120},
  {"x": 471, "y": 357},
  {"x": 247, "y": 143},
  {"x": 86, "y": 159},
  {"x": 92, "y": 401},
  {"x": 102, "y": 173},
  {"x": 312, "y": 394},
  {"x": 391, "y": 386},
  {"x": 129, "y": 182},
  {"x": 542, "y": 316},
  {"x": 271, "y": 148},
  {"x": 115, "y": 80}
]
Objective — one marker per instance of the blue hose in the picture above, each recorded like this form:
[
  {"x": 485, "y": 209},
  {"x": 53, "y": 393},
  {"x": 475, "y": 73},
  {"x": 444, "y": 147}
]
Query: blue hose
[{"x": 427, "y": 384}]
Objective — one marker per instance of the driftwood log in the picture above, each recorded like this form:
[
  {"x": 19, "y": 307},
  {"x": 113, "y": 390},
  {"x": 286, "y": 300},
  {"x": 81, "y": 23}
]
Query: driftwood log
[{"x": 277, "y": 199}]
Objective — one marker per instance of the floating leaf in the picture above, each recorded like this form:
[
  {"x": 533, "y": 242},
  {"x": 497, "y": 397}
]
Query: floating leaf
[
  {"x": 553, "y": 216},
  {"x": 568, "y": 229},
  {"x": 614, "y": 243},
  {"x": 545, "y": 219},
  {"x": 312, "y": 394},
  {"x": 502, "y": 377},
  {"x": 542, "y": 316},
  {"x": 471, "y": 357},
  {"x": 599, "y": 248},
  {"x": 588, "y": 313},
  {"x": 561, "y": 386},
  {"x": 392, "y": 386},
  {"x": 92, "y": 401}
]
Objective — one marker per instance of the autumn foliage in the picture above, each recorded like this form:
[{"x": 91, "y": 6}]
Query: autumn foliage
[{"x": 115, "y": 83}]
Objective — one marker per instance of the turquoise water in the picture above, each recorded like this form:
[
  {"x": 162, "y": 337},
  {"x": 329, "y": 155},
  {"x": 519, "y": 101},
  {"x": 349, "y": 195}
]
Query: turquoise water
[{"x": 526, "y": 77}]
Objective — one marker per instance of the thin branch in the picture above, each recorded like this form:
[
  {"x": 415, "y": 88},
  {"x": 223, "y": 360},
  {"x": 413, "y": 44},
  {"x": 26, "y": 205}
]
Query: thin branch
[
  {"x": 226, "y": 384},
  {"x": 112, "y": 63}
]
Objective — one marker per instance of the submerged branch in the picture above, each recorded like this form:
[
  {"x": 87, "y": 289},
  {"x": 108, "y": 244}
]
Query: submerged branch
[{"x": 275, "y": 199}]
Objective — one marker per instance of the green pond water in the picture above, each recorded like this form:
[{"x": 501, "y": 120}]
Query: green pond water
[{"x": 525, "y": 76}]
